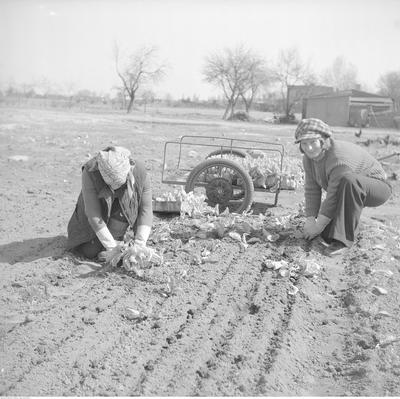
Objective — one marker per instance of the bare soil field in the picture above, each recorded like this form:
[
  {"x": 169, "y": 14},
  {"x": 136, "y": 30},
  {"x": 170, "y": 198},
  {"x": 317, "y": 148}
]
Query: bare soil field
[{"x": 216, "y": 318}]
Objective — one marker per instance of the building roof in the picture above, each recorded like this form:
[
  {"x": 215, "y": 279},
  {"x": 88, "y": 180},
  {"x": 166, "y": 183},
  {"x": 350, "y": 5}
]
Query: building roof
[
  {"x": 348, "y": 93},
  {"x": 311, "y": 86}
]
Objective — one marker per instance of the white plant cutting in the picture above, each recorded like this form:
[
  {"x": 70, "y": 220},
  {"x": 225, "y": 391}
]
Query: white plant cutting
[
  {"x": 192, "y": 204},
  {"x": 133, "y": 258},
  {"x": 195, "y": 205},
  {"x": 176, "y": 195}
]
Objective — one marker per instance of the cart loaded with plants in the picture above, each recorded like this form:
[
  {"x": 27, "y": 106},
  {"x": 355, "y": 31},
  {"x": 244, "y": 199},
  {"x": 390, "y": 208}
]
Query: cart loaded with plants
[{"x": 228, "y": 172}]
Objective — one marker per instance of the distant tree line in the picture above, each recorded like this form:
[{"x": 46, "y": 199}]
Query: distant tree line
[{"x": 243, "y": 78}]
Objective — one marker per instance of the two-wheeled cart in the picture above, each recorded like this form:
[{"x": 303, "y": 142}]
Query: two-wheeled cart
[{"x": 216, "y": 167}]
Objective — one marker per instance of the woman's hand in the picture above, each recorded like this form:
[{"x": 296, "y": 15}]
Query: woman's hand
[
  {"x": 108, "y": 254},
  {"x": 310, "y": 229},
  {"x": 313, "y": 227}
]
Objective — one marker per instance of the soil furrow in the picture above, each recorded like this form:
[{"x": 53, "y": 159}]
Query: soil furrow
[
  {"x": 181, "y": 375},
  {"x": 50, "y": 350},
  {"x": 302, "y": 369},
  {"x": 191, "y": 322},
  {"x": 238, "y": 361},
  {"x": 144, "y": 335}
]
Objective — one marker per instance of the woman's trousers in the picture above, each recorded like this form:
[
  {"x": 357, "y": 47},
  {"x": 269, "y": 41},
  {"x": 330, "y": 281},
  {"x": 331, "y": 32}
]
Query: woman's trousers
[{"x": 354, "y": 193}]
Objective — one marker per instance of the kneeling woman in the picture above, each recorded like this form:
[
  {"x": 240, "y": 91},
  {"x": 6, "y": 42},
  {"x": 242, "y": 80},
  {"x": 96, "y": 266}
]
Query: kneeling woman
[
  {"x": 351, "y": 177},
  {"x": 116, "y": 194}
]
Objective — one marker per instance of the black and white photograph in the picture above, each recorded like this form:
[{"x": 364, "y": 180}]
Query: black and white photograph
[{"x": 199, "y": 198}]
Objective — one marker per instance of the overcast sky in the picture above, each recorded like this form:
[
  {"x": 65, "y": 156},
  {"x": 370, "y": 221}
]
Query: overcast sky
[{"x": 69, "y": 42}]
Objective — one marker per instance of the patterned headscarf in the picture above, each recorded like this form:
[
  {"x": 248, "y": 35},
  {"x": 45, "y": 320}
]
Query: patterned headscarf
[
  {"x": 312, "y": 128},
  {"x": 114, "y": 166}
]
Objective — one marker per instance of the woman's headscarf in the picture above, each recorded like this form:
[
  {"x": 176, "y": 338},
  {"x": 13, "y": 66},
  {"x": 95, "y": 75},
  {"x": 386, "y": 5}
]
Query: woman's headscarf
[
  {"x": 114, "y": 166},
  {"x": 312, "y": 128}
]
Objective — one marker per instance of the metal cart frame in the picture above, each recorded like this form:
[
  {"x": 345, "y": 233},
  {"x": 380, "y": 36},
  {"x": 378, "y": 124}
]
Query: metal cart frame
[{"x": 223, "y": 145}]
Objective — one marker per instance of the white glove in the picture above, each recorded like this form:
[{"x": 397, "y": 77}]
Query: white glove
[
  {"x": 142, "y": 235},
  {"x": 106, "y": 238}
]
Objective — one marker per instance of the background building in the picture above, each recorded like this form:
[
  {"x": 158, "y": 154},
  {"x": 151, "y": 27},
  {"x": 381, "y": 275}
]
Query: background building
[
  {"x": 297, "y": 93},
  {"x": 350, "y": 108}
]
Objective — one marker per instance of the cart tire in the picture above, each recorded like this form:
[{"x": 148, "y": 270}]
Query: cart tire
[
  {"x": 223, "y": 151},
  {"x": 240, "y": 179}
]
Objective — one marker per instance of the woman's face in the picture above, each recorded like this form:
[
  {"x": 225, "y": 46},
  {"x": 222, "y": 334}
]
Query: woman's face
[{"x": 311, "y": 147}]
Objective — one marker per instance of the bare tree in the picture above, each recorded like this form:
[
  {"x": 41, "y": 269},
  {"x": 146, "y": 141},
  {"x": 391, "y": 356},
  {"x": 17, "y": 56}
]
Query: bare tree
[
  {"x": 290, "y": 70},
  {"x": 139, "y": 68},
  {"x": 258, "y": 77},
  {"x": 389, "y": 85},
  {"x": 341, "y": 75},
  {"x": 238, "y": 72}
]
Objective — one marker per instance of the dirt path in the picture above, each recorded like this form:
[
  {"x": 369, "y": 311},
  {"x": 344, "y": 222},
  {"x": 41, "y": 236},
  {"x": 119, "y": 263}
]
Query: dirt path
[{"x": 230, "y": 324}]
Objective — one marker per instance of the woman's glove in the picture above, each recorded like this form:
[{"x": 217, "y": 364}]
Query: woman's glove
[
  {"x": 106, "y": 238},
  {"x": 142, "y": 235},
  {"x": 313, "y": 227}
]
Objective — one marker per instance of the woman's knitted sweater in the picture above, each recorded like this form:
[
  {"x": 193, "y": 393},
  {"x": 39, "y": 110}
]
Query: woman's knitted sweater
[{"x": 342, "y": 157}]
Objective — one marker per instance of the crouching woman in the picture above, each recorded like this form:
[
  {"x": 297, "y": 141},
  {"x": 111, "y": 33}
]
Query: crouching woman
[
  {"x": 115, "y": 195},
  {"x": 352, "y": 178}
]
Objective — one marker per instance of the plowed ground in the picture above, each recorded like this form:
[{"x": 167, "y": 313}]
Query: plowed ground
[{"x": 224, "y": 324}]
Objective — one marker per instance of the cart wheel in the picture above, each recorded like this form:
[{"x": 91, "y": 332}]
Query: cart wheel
[
  {"x": 223, "y": 182},
  {"x": 227, "y": 151}
]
